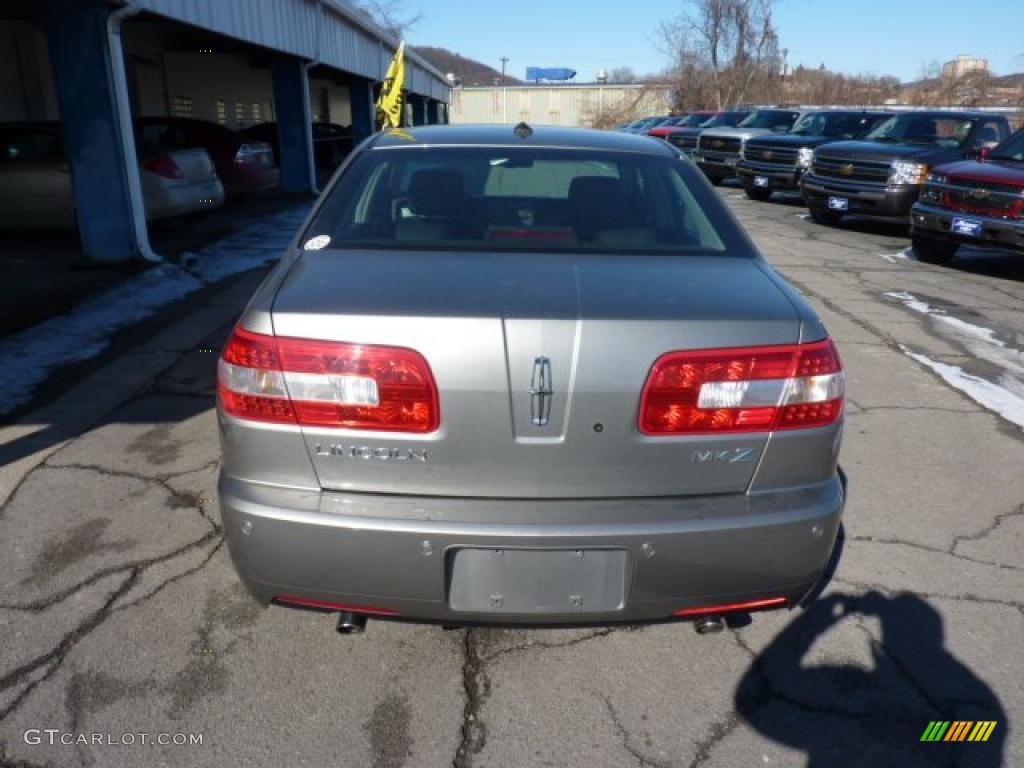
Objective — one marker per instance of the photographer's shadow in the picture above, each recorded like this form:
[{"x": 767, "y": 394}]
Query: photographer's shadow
[{"x": 873, "y": 716}]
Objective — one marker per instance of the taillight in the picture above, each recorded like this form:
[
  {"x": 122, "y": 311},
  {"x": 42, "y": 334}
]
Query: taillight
[
  {"x": 164, "y": 166},
  {"x": 251, "y": 153},
  {"x": 326, "y": 384},
  {"x": 749, "y": 389}
]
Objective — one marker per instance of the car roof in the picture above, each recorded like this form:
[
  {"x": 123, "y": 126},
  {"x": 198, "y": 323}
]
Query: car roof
[
  {"x": 960, "y": 115},
  {"x": 505, "y": 136}
]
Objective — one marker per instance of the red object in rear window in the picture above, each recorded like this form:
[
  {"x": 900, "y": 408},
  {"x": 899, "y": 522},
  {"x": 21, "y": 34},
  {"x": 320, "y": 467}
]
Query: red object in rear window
[
  {"x": 327, "y": 384},
  {"x": 164, "y": 166},
  {"x": 748, "y": 389}
]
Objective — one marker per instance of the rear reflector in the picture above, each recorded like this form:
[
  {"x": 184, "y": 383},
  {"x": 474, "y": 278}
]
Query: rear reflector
[
  {"x": 323, "y": 605},
  {"x": 326, "y": 384},
  {"x": 748, "y": 389},
  {"x": 750, "y": 605}
]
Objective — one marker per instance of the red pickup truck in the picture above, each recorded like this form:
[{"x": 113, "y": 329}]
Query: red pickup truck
[{"x": 972, "y": 201}]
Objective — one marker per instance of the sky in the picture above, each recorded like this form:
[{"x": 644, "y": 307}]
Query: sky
[{"x": 882, "y": 37}]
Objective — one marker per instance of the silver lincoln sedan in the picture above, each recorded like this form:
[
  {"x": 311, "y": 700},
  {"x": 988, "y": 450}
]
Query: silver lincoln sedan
[{"x": 528, "y": 375}]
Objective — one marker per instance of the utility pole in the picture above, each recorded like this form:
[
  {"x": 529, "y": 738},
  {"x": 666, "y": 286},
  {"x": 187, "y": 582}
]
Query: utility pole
[{"x": 504, "y": 61}]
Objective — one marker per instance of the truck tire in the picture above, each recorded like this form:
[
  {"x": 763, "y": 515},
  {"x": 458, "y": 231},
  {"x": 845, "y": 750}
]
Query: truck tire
[
  {"x": 932, "y": 250},
  {"x": 824, "y": 215}
]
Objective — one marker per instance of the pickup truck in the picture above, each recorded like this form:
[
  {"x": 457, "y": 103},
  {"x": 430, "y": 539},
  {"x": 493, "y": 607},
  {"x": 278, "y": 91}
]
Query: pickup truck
[
  {"x": 775, "y": 163},
  {"x": 718, "y": 149},
  {"x": 692, "y": 120},
  {"x": 882, "y": 175},
  {"x": 685, "y": 138},
  {"x": 972, "y": 201}
]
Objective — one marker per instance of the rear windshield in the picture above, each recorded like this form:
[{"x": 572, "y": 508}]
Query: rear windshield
[
  {"x": 1011, "y": 149},
  {"x": 725, "y": 119},
  {"x": 692, "y": 121},
  {"x": 770, "y": 118},
  {"x": 522, "y": 199},
  {"x": 923, "y": 128},
  {"x": 834, "y": 124}
]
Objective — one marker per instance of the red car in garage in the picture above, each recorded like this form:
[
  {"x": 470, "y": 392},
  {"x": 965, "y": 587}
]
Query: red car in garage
[{"x": 243, "y": 165}]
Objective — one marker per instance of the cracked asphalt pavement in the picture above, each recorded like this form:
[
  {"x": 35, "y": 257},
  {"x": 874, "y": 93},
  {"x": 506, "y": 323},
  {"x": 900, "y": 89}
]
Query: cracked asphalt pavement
[{"x": 120, "y": 612}]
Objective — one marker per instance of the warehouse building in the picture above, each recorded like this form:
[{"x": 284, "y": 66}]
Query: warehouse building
[
  {"x": 96, "y": 65},
  {"x": 584, "y": 105}
]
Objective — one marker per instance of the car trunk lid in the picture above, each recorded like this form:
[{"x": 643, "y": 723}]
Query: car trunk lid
[{"x": 540, "y": 361}]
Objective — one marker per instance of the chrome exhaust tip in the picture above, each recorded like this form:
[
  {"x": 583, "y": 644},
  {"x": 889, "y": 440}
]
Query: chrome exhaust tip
[
  {"x": 709, "y": 625},
  {"x": 351, "y": 623}
]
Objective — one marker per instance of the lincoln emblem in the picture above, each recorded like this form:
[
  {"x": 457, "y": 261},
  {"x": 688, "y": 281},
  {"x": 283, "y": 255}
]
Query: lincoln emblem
[{"x": 540, "y": 392}]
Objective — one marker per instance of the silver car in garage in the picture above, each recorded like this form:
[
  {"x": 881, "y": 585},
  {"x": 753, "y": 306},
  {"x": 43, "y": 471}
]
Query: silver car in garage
[
  {"x": 535, "y": 376},
  {"x": 36, "y": 179}
]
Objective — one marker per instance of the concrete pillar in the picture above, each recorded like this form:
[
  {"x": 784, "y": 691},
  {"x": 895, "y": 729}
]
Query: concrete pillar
[
  {"x": 76, "y": 33},
  {"x": 364, "y": 118},
  {"x": 294, "y": 125},
  {"x": 433, "y": 112}
]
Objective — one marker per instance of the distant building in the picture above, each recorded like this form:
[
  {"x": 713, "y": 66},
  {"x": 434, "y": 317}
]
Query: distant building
[
  {"x": 963, "y": 65},
  {"x": 583, "y": 105}
]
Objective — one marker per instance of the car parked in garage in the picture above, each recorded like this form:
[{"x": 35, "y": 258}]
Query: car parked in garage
[
  {"x": 243, "y": 165},
  {"x": 718, "y": 149},
  {"x": 531, "y": 375},
  {"x": 882, "y": 174},
  {"x": 36, "y": 184},
  {"x": 684, "y": 138},
  {"x": 980, "y": 202},
  {"x": 331, "y": 144},
  {"x": 775, "y": 163}
]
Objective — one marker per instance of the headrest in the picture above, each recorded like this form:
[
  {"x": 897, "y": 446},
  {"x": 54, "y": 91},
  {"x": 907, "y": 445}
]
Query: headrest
[
  {"x": 437, "y": 192},
  {"x": 599, "y": 202}
]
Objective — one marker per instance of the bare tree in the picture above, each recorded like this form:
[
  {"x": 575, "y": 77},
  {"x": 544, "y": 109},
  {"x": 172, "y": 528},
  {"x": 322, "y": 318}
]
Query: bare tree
[
  {"x": 734, "y": 41},
  {"x": 938, "y": 87},
  {"x": 622, "y": 75},
  {"x": 390, "y": 15}
]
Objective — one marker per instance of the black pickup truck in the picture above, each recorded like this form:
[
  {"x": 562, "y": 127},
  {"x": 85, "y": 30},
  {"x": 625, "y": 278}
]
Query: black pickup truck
[
  {"x": 775, "y": 163},
  {"x": 882, "y": 175}
]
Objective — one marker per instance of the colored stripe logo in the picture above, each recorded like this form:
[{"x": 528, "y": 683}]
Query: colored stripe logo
[{"x": 958, "y": 730}]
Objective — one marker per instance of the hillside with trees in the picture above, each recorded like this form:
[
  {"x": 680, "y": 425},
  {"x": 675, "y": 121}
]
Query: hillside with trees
[{"x": 468, "y": 71}]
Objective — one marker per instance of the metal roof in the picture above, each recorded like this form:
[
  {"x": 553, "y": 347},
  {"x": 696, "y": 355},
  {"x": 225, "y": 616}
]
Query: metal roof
[
  {"x": 505, "y": 136},
  {"x": 327, "y": 31}
]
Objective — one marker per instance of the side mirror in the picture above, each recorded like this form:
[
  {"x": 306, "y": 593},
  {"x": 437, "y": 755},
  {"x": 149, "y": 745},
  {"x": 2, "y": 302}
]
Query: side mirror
[{"x": 983, "y": 153}]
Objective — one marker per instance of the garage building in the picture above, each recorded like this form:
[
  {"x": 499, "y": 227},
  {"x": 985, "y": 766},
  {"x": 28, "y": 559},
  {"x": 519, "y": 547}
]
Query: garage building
[{"x": 96, "y": 65}]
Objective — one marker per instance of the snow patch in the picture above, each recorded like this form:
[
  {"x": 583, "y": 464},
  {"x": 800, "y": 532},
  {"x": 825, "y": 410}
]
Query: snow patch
[
  {"x": 987, "y": 394},
  {"x": 979, "y": 340},
  {"x": 907, "y": 254},
  {"x": 32, "y": 355}
]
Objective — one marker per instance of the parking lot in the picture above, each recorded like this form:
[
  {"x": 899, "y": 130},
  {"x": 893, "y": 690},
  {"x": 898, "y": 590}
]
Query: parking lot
[{"x": 122, "y": 615}]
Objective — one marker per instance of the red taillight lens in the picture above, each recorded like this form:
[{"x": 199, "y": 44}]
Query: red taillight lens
[
  {"x": 327, "y": 384},
  {"x": 164, "y": 166},
  {"x": 749, "y": 389}
]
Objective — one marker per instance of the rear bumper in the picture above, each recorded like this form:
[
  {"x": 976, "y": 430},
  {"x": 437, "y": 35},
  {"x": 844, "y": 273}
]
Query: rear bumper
[
  {"x": 170, "y": 201},
  {"x": 932, "y": 221},
  {"x": 779, "y": 178},
  {"x": 866, "y": 199},
  {"x": 395, "y": 552}
]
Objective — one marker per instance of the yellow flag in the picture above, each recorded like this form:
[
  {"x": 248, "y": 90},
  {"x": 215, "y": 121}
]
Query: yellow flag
[{"x": 390, "y": 101}]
